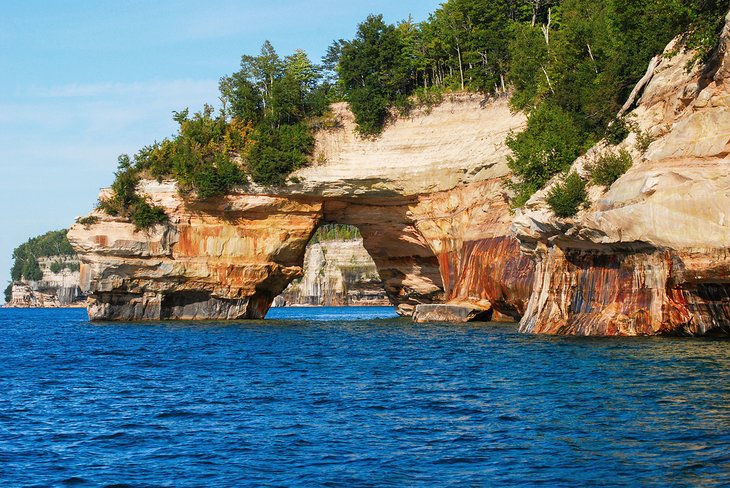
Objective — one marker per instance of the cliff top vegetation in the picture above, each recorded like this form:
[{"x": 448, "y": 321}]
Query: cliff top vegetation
[
  {"x": 336, "y": 232},
  {"x": 569, "y": 64},
  {"x": 25, "y": 257}
]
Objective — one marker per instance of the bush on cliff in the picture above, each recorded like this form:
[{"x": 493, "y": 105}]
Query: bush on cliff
[
  {"x": 571, "y": 65},
  {"x": 277, "y": 153},
  {"x": 566, "y": 198},
  {"x": 609, "y": 167},
  {"x": 261, "y": 130},
  {"x": 548, "y": 146},
  {"x": 585, "y": 60},
  {"x": 124, "y": 200},
  {"x": 60, "y": 264},
  {"x": 9, "y": 293}
]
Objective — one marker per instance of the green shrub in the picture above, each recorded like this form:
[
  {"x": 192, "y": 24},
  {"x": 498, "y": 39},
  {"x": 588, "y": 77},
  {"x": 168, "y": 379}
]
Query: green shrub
[
  {"x": 617, "y": 131},
  {"x": 277, "y": 153},
  {"x": 144, "y": 215},
  {"x": 8, "y": 293},
  {"x": 566, "y": 198},
  {"x": 609, "y": 167},
  {"x": 548, "y": 145},
  {"x": 429, "y": 98},
  {"x": 57, "y": 266},
  {"x": 89, "y": 220},
  {"x": 643, "y": 141},
  {"x": 522, "y": 193},
  {"x": 218, "y": 178},
  {"x": 124, "y": 200}
]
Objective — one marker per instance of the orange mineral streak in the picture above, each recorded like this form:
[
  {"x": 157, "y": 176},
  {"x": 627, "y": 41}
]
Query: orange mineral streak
[
  {"x": 250, "y": 247},
  {"x": 489, "y": 271}
]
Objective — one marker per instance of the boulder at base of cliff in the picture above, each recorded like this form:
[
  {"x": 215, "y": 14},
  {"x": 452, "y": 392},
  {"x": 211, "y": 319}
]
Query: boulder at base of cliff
[{"x": 450, "y": 313}]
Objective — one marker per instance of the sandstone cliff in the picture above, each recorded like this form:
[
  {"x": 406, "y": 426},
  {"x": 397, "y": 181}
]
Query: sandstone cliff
[
  {"x": 336, "y": 273},
  {"x": 57, "y": 288},
  {"x": 647, "y": 256},
  {"x": 650, "y": 254},
  {"x": 427, "y": 197}
]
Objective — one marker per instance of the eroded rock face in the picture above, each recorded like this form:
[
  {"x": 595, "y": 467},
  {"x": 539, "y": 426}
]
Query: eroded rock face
[
  {"x": 427, "y": 197},
  {"x": 650, "y": 254},
  {"x": 222, "y": 259},
  {"x": 445, "y": 312},
  {"x": 337, "y": 272},
  {"x": 54, "y": 289}
]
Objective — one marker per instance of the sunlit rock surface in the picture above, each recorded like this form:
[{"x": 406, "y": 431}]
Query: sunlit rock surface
[
  {"x": 336, "y": 273},
  {"x": 650, "y": 254},
  {"x": 427, "y": 196},
  {"x": 55, "y": 289}
]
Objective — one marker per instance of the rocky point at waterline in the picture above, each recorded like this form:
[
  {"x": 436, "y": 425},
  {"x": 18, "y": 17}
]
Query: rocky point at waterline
[
  {"x": 648, "y": 256},
  {"x": 55, "y": 288}
]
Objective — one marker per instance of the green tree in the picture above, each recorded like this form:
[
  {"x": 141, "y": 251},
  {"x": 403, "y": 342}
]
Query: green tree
[
  {"x": 374, "y": 73},
  {"x": 25, "y": 257},
  {"x": 548, "y": 146}
]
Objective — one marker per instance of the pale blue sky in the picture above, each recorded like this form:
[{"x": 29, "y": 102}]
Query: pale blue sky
[{"x": 82, "y": 81}]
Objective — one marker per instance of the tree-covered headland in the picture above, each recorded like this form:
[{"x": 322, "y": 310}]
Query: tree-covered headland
[
  {"x": 25, "y": 257},
  {"x": 568, "y": 64}
]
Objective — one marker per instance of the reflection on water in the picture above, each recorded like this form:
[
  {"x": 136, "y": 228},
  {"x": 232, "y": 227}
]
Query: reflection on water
[{"x": 353, "y": 397}]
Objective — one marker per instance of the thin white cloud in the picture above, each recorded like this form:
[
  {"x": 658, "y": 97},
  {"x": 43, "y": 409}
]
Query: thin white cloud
[{"x": 155, "y": 88}]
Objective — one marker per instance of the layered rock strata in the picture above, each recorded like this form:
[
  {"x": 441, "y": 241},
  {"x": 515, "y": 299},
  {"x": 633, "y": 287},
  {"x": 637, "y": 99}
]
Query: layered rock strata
[
  {"x": 650, "y": 254},
  {"x": 55, "y": 289},
  {"x": 427, "y": 197},
  {"x": 647, "y": 256}
]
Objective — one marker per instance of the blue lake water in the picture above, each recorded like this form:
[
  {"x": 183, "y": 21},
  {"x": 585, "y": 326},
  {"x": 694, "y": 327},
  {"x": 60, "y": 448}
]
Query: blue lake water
[{"x": 354, "y": 397}]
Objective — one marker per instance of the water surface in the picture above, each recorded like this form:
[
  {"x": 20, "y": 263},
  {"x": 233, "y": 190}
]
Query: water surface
[{"x": 349, "y": 397}]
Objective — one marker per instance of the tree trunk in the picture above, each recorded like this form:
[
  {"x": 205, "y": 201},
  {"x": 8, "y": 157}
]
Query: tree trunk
[
  {"x": 653, "y": 64},
  {"x": 461, "y": 68},
  {"x": 546, "y": 28},
  {"x": 590, "y": 53},
  {"x": 550, "y": 85}
]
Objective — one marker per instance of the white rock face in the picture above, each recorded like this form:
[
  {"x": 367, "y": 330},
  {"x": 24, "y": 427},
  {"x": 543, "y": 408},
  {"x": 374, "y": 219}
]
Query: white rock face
[
  {"x": 55, "y": 289},
  {"x": 650, "y": 254},
  {"x": 460, "y": 141},
  {"x": 336, "y": 273}
]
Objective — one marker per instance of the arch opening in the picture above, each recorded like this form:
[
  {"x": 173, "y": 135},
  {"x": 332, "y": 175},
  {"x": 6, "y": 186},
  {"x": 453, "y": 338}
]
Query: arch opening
[
  {"x": 337, "y": 271},
  {"x": 406, "y": 265}
]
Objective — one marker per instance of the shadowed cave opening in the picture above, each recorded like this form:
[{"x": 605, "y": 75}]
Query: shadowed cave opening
[{"x": 337, "y": 271}]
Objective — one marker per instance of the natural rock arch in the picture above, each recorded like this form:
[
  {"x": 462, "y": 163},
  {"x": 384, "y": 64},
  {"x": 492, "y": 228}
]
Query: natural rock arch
[{"x": 427, "y": 196}]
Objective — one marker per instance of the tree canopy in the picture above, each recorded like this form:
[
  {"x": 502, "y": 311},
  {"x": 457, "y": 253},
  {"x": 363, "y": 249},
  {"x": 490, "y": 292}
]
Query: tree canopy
[
  {"x": 569, "y": 64},
  {"x": 25, "y": 257}
]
